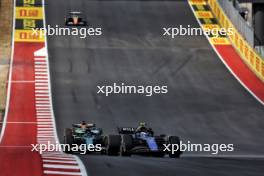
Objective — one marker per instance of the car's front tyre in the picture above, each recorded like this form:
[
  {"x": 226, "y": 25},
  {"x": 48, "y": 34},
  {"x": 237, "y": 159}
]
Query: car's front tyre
[
  {"x": 126, "y": 145},
  {"x": 112, "y": 143},
  {"x": 174, "y": 140},
  {"x": 68, "y": 139}
]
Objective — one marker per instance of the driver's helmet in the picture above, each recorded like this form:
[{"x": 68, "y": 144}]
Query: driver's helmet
[
  {"x": 142, "y": 127},
  {"x": 142, "y": 124},
  {"x": 83, "y": 125}
]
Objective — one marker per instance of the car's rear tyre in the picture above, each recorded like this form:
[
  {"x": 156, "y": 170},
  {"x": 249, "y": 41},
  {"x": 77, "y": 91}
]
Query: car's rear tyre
[
  {"x": 174, "y": 140},
  {"x": 159, "y": 154},
  {"x": 126, "y": 145},
  {"x": 112, "y": 143},
  {"x": 84, "y": 23},
  {"x": 68, "y": 23},
  {"x": 68, "y": 139}
]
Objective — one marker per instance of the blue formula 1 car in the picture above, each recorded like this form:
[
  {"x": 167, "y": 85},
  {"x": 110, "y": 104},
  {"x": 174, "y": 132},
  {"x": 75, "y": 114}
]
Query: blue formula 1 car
[
  {"x": 143, "y": 142},
  {"x": 85, "y": 134}
]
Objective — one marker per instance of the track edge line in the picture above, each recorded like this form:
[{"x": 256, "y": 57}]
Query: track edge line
[
  {"x": 80, "y": 163},
  {"x": 226, "y": 65},
  {"x": 9, "y": 74}
]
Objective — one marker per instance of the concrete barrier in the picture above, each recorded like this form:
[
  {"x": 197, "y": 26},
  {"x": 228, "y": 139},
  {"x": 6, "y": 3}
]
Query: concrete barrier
[{"x": 254, "y": 61}]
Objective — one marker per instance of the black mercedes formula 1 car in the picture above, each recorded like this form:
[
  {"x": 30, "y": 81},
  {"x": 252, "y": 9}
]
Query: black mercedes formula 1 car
[
  {"x": 143, "y": 141},
  {"x": 86, "y": 134},
  {"x": 75, "y": 19}
]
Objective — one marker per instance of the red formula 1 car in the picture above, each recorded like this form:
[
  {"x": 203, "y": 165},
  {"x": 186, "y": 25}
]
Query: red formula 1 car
[{"x": 75, "y": 19}]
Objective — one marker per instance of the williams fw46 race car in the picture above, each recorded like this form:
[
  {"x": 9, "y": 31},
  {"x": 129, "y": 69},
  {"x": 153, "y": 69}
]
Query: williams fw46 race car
[
  {"x": 75, "y": 19},
  {"x": 142, "y": 141},
  {"x": 86, "y": 138}
]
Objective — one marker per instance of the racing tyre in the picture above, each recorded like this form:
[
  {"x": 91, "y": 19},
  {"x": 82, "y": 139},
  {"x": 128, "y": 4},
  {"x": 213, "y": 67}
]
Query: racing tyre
[
  {"x": 112, "y": 143},
  {"x": 126, "y": 145},
  {"x": 174, "y": 140},
  {"x": 67, "y": 23},
  {"x": 159, "y": 154},
  {"x": 68, "y": 139},
  {"x": 83, "y": 23}
]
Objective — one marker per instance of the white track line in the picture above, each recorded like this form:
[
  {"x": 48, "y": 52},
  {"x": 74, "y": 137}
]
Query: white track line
[
  {"x": 62, "y": 173},
  {"x": 59, "y": 166},
  {"x": 58, "y": 158},
  {"x": 9, "y": 76},
  {"x": 59, "y": 161}
]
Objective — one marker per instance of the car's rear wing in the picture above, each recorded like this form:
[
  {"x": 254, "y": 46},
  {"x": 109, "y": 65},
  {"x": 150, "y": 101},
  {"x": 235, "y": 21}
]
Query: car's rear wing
[
  {"x": 88, "y": 125},
  {"x": 126, "y": 130}
]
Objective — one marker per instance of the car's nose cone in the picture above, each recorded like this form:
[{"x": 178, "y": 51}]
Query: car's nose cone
[{"x": 75, "y": 20}]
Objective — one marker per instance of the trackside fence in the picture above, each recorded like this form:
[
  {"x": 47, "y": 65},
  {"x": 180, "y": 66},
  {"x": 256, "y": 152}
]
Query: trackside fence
[
  {"x": 241, "y": 25},
  {"x": 246, "y": 51}
]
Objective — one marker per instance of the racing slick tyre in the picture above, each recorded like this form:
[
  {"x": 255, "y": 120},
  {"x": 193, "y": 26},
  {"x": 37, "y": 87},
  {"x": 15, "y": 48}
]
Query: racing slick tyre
[
  {"x": 159, "y": 154},
  {"x": 126, "y": 145},
  {"x": 68, "y": 139},
  {"x": 83, "y": 23},
  {"x": 68, "y": 23},
  {"x": 174, "y": 140},
  {"x": 112, "y": 143}
]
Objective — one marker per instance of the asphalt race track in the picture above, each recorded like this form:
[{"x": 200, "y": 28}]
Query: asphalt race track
[{"x": 205, "y": 104}]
